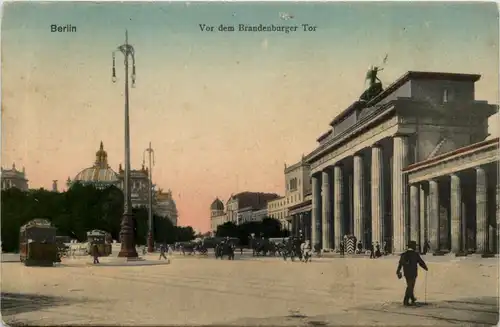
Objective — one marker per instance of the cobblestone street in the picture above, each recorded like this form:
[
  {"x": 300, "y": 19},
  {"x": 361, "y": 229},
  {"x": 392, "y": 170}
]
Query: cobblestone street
[{"x": 247, "y": 291}]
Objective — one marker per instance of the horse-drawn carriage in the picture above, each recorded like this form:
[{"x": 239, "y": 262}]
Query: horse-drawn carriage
[
  {"x": 225, "y": 248},
  {"x": 102, "y": 240},
  {"x": 192, "y": 247},
  {"x": 37, "y": 243},
  {"x": 264, "y": 246},
  {"x": 291, "y": 249}
]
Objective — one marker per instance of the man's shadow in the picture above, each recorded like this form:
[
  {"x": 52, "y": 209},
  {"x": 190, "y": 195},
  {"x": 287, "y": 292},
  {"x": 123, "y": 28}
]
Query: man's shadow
[{"x": 481, "y": 310}]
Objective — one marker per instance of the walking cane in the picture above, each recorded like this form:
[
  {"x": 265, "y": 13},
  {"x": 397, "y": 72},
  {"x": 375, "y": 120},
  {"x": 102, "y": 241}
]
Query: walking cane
[{"x": 425, "y": 301}]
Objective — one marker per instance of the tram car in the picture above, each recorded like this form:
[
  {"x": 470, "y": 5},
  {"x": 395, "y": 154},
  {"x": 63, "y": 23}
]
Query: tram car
[
  {"x": 102, "y": 240},
  {"x": 37, "y": 243}
]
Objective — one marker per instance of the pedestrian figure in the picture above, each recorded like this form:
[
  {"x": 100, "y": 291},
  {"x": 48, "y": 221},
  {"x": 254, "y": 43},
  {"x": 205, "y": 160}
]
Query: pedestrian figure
[
  {"x": 408, "y": 262},
  {"x": 95, "y": 253},
  {"x": 305, "y": 248},
  {"x": 372, "y": 251},
  {"x": 342, "y": 249},
  {"x": 377, "y": 250},
  {"x": 162, "y": 252},
  {"x": 360, "y": 247},
  {"x": 426, "y": 247},
  {"x": 386, "y": 248}
]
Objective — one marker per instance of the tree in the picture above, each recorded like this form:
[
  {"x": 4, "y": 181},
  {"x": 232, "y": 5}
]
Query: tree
[
  {"x": 271, "y": 227},
  {"x": 75, "y": 212},
  {"x": 164, "y": 230},
  {"x": 247, "y": 229},
  {"x": 112, "y": 210},
  {"x": 227, "y": 229},
  {"x": 184, "y": 234}
]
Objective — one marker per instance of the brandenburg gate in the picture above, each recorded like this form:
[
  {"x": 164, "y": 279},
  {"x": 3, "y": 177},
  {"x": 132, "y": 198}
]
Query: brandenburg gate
[{"x": 394, "y": 167}]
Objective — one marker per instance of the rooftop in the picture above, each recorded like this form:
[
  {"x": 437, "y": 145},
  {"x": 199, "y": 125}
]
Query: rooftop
[
  {"x": 460, "y": 151},
  {"x": 411, "y": 75}
]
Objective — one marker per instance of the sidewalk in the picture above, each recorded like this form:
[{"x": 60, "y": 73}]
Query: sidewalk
[{"x": 426, "y": 257}]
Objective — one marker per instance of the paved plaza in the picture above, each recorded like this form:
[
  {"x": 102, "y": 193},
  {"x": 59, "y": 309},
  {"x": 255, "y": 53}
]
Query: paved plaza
[{"x": 195, "y": 290}]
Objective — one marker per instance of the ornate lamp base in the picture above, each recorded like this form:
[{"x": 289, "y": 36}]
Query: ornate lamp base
[
  {"x": 151, "y": 247},
  {"x": 127, "y": 238}
]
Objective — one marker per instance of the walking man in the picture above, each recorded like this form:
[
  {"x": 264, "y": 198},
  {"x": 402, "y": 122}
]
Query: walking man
[
  {"x": 426, "y": 247},
  {"x": 162, "y": 252},
  {"x": 386, "y": 248},
  {"x": 95, "y": 253},
  {"x": 342, "y": 249},
  {"x": 306, "y": 250},
  {"x": 377, "y": 250},
  {"x": 408, "y": 262},
  {"x": 372, "y": 251}
]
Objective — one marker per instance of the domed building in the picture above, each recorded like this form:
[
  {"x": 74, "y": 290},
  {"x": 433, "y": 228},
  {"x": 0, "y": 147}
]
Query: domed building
[
  {"x": 165, "y": 206},
  {"x": 217, "y": 207},
  {"x": 217, "y": 214},
  {"x": 100, "y": 174}
]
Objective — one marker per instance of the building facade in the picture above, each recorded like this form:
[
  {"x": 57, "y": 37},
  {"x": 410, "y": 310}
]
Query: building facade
[
  {"x": 101, "y": 175},
  {"x": 240, "y": 208},
  {"x": 297, "y": 186},
  {"x": 14, "y": 178},
  {"x": 454, "y": 199},
  {"x": 249, "y": 214},
  {"x": 164, "y": 206},
  {"x": 254, "y": 200},
  {"x": 244, "y": 215},
  {"x": 139, "y": 188},
  {"x": 217, "y": 214},
  {"x": 259, "y": 215},
  {"x": 380, "y": 156},
  {"x": 300, "y": 216},
  {"x": 278, "y": 209}
]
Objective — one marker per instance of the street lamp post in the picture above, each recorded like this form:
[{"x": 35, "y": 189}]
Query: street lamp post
[
  {"x": 127, "y": 225},
  {"x": 150, "y": 199}
]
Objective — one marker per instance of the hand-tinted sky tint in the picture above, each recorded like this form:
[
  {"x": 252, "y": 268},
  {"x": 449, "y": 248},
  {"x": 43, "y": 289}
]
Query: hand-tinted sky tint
[{"x": 223, "y": 111}]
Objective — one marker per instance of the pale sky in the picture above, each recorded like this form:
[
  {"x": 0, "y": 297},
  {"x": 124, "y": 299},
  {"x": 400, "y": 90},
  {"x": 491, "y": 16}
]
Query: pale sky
[{"x": 224, "y": 111}]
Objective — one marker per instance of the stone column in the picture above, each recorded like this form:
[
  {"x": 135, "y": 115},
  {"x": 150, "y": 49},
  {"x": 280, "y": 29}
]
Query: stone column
[
  {"x": 399, "y": 193},
  {"x": 359, "y": 200},
  {"x": 326, "y": 210},
  {"x": 456, "y": 214},
  {"x": 297, "y": 225},
  {"x": 377, "y": 195},
  {"x": 482, "y": 226},
  {"x": 434, "y": 216},
  {"x": 306, "y": 228},
  {"x": 415, "y": 214},
  {"x": 316, "y": 210},
  {"x": 338, "y": 207},
  {"x": 424, "y": 227},
  {"x": 300, "y": 223}
]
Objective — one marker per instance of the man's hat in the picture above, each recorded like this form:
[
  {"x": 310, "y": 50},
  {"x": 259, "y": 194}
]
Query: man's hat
[{"x": 412, "y": 245}]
